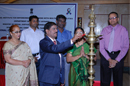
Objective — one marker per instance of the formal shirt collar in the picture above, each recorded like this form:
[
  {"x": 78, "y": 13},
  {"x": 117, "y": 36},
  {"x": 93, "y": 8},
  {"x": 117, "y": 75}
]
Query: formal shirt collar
[
  {"x": 110, "y": 28},
  {"x": 32, "y": 29},
  {"x": 63, "y": 30},
  {"x": 114, "y": 27},
  {"x": 52, "y": 39}
]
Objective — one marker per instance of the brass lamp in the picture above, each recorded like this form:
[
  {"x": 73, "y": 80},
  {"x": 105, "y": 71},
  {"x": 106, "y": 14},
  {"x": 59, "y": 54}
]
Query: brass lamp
[{"x": 91, "y": 39}]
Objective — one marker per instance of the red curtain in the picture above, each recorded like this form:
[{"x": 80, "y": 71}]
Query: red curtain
[{"x": 2, "y": 61}]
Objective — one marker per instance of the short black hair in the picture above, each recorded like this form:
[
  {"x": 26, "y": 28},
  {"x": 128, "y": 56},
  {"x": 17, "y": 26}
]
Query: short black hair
[
  {"x": 78, "y": 28},
  {"x": 33, "y": 16},
  {"x": 48, "y": 26},
  {"x": 113, "y": 13},
  {"x": 60, "y": 16}
]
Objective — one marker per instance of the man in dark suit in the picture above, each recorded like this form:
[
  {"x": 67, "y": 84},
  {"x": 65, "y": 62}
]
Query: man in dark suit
[{"x": 51, "y": 71}]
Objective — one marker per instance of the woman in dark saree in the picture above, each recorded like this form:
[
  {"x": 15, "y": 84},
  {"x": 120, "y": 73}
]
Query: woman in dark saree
[
  {"x": 79, "y": 59},
  {"x": 20, "y": 67}
]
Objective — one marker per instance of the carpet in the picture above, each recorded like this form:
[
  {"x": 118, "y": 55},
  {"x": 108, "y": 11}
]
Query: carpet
[
  {"x": 97, "y": 83},
  {"x": 2, "y": 80}
]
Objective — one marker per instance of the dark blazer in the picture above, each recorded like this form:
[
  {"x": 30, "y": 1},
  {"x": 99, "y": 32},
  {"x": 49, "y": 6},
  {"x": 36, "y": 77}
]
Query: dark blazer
[{"x": 49, "y": 69}]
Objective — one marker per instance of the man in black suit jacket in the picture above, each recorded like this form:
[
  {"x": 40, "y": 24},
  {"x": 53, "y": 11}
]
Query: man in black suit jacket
[{"x": 51, "y": 71}]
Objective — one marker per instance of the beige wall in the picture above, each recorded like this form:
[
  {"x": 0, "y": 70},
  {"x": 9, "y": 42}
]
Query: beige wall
[{"x": 102, "y": 11}]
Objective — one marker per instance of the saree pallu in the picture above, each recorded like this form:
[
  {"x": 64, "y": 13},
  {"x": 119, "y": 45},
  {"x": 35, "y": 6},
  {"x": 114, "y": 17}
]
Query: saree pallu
[
  {"x": 78, "y": 75},
  {"x": 18, "y": 75}
]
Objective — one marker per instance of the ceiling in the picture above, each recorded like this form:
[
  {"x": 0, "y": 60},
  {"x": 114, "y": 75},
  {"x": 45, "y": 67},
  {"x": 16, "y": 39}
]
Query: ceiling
[
  {"x": 78, "y": 1},
  {"x": 7, "y": 1}
]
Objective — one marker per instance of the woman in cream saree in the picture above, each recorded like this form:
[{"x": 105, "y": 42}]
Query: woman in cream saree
[{"x": 20, "y": 67}]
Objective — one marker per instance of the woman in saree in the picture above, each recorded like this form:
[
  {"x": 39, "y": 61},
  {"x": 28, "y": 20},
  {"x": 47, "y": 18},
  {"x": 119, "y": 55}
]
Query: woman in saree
[
  {"x": 20, "y": 68},
  {"x": 78, "y": 75}
]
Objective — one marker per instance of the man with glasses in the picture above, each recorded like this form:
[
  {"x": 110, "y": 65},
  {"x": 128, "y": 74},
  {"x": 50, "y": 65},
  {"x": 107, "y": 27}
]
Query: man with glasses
[
  {"x": 114, "y": 45},
  {"x": 63, "y": 35},
  {"x": 32, "y": 37}
]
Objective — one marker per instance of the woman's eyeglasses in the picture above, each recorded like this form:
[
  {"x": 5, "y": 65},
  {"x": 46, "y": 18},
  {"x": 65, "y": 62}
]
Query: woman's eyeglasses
[
  {"x": 16, "y": 32},
  {"x": 79, "y": 32}
]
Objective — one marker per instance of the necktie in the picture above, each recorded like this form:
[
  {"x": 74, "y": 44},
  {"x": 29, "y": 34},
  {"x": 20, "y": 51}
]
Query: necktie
[
  {"x": 110, "y": 47},
  {"x": 59, "y": 56},
  {"x": 54, "y": 42}
]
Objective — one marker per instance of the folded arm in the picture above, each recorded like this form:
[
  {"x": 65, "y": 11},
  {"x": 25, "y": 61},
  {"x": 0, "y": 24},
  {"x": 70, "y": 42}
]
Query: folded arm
[{"x": 9, "y": 60}]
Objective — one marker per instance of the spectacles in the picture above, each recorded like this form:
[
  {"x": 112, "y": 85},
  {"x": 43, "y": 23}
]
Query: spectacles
[
  {"x": 79, "y": 32},
  {"x": 16, "y": 32},
  {"x": 112, "y": 18}
]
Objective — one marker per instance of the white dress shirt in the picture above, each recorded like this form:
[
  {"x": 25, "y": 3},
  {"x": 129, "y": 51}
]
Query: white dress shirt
[{"x": 32, "y": 38}]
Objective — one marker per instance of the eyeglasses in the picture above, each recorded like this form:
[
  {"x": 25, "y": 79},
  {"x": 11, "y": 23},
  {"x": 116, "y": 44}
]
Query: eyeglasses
[
  {"x": 16, "y": 32},
  {"x": 112, "y": 18},
  {"x": 79, "y": 32}
]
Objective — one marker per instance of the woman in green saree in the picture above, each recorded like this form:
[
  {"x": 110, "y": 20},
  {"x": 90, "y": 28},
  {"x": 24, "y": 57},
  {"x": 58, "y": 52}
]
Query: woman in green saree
[
  {"x": 20, "y": 68},
  {"x": 79, "y": 59}
]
